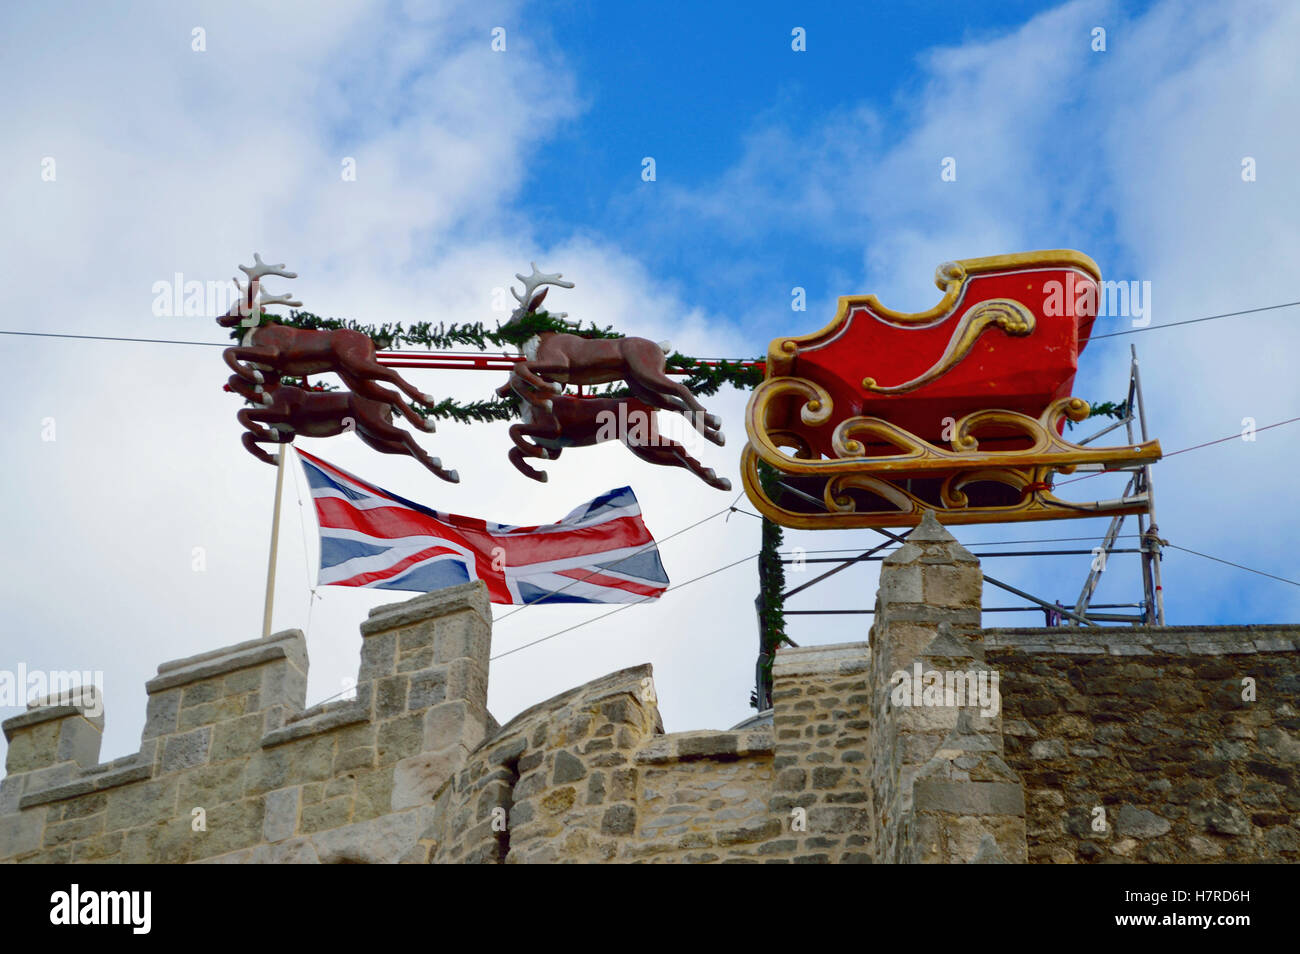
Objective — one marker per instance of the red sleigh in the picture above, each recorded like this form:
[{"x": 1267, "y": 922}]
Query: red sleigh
[{"x": 958, "y": 409}]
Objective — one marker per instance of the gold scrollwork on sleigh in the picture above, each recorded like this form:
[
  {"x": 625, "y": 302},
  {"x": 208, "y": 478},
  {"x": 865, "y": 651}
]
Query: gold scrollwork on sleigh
[
  {"x": 1005, "y": 313},
  {"x": 883, "y": 475}
]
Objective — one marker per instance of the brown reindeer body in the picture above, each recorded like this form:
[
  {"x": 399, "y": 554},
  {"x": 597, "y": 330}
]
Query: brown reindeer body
[
  {"x": 282, "y": 412},
  {"x": 553, "y": 359},
  {"x": 568, "y": 420},
  {"x": 297, "y": 351}
]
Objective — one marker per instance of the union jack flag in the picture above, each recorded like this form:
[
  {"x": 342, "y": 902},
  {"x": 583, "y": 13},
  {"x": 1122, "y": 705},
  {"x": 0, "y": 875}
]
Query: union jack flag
[{"x": 600, "y": 553}]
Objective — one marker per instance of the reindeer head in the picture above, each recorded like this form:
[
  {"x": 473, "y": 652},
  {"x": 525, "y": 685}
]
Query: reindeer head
[
  {"x": 252, "y": 297},
  {"x": 531, "y": 298}
]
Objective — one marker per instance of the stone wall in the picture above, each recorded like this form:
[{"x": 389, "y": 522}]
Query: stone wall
[
  {"x": 231, "y": 768},
  {"x": 590, "y": 776},
  {"x": 1118, "y": 745},
  {"x": 1179, "y": 744},
  {"x": 821, "y": 707}
]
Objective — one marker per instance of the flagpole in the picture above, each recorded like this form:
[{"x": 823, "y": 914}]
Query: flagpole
[{"x": 275, "y": 542}]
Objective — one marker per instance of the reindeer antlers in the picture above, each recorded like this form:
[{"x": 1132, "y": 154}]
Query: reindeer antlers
[
  {"x": 255, "y": 272},
  {"x": 260, "y": 268},
  {"x": 263, "y": 299},
  {"x": 527, "y": 302}
]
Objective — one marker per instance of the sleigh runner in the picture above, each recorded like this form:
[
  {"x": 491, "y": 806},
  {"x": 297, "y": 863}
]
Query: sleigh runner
[{"x": 960, "y": 409}]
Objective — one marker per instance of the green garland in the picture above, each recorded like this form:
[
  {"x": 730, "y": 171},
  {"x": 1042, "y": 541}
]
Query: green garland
[
  {"x": 439, "y": 336},
  {"x": 771, "y": 586},
  {"x": 1105, "y": 409},
  {"x": 475, "y": 412}
]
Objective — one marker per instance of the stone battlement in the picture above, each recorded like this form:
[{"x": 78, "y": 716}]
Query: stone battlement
[{"x": 1169, "y": 744}]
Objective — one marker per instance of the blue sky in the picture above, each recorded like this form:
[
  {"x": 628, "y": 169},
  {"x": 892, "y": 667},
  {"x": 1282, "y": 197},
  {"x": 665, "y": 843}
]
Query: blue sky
[
  {"x": 774, "y": 169},
  {"x": 692, "y": 85}
]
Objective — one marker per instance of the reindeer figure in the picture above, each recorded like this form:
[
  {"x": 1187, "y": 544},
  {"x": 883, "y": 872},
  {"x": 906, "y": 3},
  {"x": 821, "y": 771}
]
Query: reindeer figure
[
  {"x": 568, "y": 420},
  {"x": 294, "y": 351},
  {"x": 290, "y": 411},
  {"x": 553, "y": 359}
]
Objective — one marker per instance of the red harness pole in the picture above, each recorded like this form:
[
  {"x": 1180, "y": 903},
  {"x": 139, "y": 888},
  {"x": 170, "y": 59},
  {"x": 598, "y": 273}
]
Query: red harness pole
[{"x": 451, "y": 361}]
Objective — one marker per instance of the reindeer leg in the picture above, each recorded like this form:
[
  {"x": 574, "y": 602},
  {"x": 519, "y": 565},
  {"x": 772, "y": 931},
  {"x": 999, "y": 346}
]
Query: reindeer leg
[
  {"x": 702, "y": 422},
  {"x": 389, "y": 439},
  {"x": 532, "y": 373},
  {"x": 517, "y": 458},
  {"x": 259, "y": 354},
  {"x": 250, "y": 443},
  {"x": 256, "y": 434},
  {"x": 666, "y": 452},
  {"x": 367, "y": 388},
  {"x": 368, "y": 368},
  {"x": 656, "y": 381},
  {"x": 254, "y": 417},
  {"x": 518, "y": 433},
  {"x": 524, "y": 448},
  {"x": 530, "y": 394}
]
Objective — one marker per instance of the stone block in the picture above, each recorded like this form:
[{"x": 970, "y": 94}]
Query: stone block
[
  {"x": 453, "y": 723},
  {"x": 1140, "y": 823},
  {"x": 968, "y": 798},
  {"x": 952, "y": 587},
  {"x": 235, "y": 738},
  {"x": 378, "y": 657},
  {"x": 377, "y": 841},
  {"x": 186, "y": 750},
  {"x": 417, "y": 779},
  {"x": 20, "y": 834},
  {"x": 400, "y": 738},
  {"x": 568, "y": 768},
  {"x": 135, "y": 805},
  {"x": 618, "y": 820},
  {"x": 281, "y": 814},
  {"x": 161, "y": 713},
  {"x": 462, "y": 635},
  {"x": 900, "y": 584}
]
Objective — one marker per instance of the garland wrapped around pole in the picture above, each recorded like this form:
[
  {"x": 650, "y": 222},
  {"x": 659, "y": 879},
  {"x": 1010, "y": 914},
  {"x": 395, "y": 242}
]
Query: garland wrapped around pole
[{"x": 770, "y": 602}]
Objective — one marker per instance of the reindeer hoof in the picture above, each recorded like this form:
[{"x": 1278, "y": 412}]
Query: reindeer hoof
[
  {"x": 453, "y": 477},
  {"x": 257, "y": 376},
  {"x": 721, "y": 439},
  {"x": 549, "y": 405},
  {"x": 543, "y": 476},
  {"x": 429, "y": 425},
  {"x": 428, "y": 400},
  {"x": 266, "y": 399},
  {"x": 557, "y": 387},
  {"x": 437, "y": 462},
  {"x": 724, "y": 484},
  {"x": 713, "y": 421}
]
